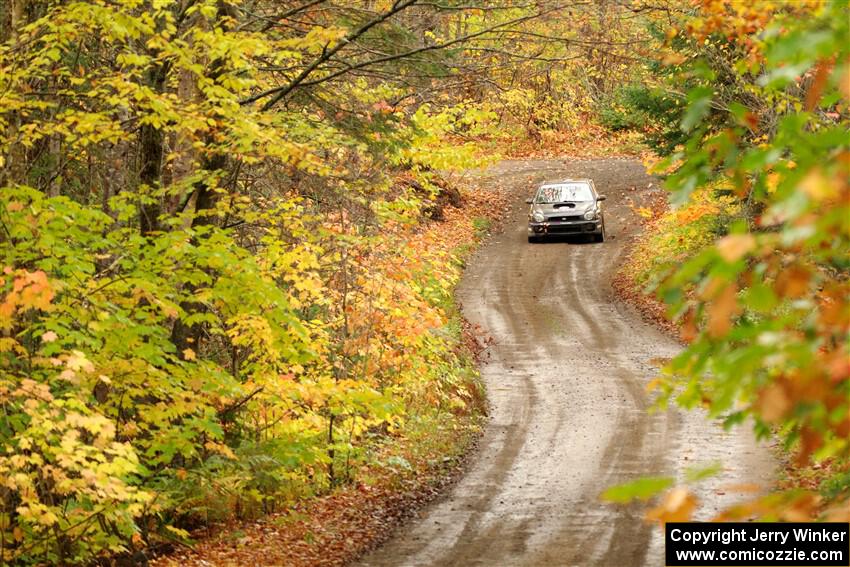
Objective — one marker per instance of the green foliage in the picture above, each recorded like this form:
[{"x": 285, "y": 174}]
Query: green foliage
[
  {"x": 681, "y": 233},
  {"x": 651, "y": 111},
  {"x": 209, "y": 306},
  {"x": 764, "y": 301},
  {"x": 641, "y": 489}
]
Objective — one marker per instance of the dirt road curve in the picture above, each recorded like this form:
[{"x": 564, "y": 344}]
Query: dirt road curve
[{"x": 566, "y": 378}]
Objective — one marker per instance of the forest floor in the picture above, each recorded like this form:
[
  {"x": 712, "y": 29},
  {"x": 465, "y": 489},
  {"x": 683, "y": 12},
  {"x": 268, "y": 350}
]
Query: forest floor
[{"x": 566, "y": 376}]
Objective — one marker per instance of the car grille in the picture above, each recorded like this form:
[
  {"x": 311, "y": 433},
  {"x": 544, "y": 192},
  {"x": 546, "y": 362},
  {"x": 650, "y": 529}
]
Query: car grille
[
  {"x": 566, "y": 218},
  {"x": 567, "y": 228}
]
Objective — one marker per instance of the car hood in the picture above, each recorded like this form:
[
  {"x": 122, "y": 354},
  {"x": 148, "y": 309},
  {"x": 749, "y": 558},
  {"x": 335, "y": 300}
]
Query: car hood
[{"x": 550, "y": 210}]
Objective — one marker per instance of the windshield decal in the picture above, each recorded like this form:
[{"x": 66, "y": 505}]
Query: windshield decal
[{"x": 564, "y": 192}]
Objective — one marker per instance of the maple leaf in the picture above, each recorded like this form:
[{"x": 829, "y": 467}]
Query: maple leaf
[{"x": 49, "y": 337}]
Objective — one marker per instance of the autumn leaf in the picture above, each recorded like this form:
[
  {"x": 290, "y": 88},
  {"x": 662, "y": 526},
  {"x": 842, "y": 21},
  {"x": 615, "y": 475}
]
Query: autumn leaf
[
  {"x": 773, "y": 403},
  {"x": 677, "y": 505},
  {"x": 49, "y": 337},
  {"x": 78, "y": 361},
  {"x": 735, "y": 246},
  {"x": 810, "y": 441},
  {"x": 793, "y": 281},
  {"x": 688, "y": 329},
  {"x": 645, "y": 213},
  {"x": 721, "y": 310},
  {"x": 818, "y": 187},
  {"x": 816, "y": 89}
]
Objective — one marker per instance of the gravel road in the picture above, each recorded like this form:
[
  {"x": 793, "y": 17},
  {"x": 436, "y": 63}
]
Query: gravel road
[{"x": 570, "y": 415}]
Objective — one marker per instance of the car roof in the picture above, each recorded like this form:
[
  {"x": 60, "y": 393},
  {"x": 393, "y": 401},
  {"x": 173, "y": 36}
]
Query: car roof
[
  {"x": 584, "y": 180},
  {"x": 563, "y": 181}
]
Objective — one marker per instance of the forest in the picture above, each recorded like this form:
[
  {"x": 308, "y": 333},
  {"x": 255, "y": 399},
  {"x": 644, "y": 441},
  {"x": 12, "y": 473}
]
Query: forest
[{"x": 231, "y": 232}]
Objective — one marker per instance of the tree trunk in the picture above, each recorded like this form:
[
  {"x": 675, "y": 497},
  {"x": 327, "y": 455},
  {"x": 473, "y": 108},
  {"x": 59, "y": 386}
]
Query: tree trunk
[
  {"x": 54, "y": 187},
  {"x": 150, "y": 157},
  {"x": 115, "y": 175},
  {"x": 205, "y": 198},
  {"x": 189, "y": 336},
  {"x": 14, "y": 170}
]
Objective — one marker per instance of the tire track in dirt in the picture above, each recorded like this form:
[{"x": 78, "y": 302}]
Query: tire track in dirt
[{"x": 566, "y": 381}]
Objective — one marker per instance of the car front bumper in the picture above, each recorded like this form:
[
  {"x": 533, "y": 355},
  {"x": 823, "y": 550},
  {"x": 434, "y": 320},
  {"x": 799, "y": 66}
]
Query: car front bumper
[{"x": 568, "y": 227}]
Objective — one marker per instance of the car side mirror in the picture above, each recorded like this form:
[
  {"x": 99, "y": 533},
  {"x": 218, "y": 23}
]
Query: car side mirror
[
  {"x": 601, "y": 198},
  {"x": 529, "y": 201}
]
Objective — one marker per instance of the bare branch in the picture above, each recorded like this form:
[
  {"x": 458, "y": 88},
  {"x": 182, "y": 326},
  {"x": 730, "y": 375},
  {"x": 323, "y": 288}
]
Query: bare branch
[
  {"x": 435, "y": 47},
  {"x": 281, "y": 92}
]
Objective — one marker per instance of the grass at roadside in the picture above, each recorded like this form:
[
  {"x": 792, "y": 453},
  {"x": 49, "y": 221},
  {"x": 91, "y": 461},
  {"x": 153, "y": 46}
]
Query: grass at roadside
[
  {"x": 670, "y": 236},
  {"x": 482, "y": 226}
]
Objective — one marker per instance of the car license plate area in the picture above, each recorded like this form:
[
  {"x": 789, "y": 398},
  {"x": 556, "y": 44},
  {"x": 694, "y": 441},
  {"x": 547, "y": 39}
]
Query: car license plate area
[{"x": 568, "y": 228}]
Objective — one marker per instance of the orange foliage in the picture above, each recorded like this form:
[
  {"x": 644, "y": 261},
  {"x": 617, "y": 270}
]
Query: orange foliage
[{"x": 29, "y": 290}]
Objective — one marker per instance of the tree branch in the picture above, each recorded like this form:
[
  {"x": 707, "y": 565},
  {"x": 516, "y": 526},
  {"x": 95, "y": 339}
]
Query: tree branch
[
  {"x": 434, "y": 47},
  {"x": 281, "y": 92}
]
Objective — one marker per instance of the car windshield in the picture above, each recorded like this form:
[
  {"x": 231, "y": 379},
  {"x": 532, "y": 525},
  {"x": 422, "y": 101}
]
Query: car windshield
[{"x": 564, "y": 193}]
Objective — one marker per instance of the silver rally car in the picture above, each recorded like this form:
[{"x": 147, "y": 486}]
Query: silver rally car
[{"x": 571, "y": 206}]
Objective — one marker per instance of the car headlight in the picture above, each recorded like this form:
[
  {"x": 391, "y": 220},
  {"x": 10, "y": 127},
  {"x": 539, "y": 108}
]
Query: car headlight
[
  {"x": 590, "y": 215},
  {"x": 538, "y": 217}
]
